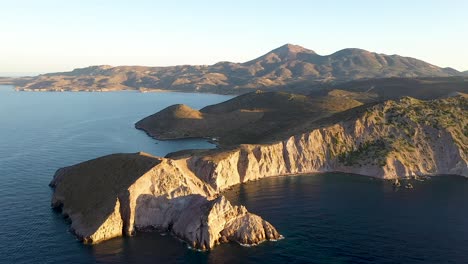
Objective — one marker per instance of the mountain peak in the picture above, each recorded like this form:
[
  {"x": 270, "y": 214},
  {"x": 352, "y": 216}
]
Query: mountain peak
[
  {"x": 291, "y": 49},
  {"x": 284, "y": 53},
  {"x": 351, "y": 51}
]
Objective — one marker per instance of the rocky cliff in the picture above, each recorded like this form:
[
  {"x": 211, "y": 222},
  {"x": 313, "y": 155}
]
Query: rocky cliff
[
  {"x": 394, "y": 139},
  {"x": 117, "y": 194}
]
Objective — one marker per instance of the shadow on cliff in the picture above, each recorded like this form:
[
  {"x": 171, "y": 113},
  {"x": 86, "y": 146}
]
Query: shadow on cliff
[
  {"x": 170, "y": 214},
  {"x": 186, "y": 217}
]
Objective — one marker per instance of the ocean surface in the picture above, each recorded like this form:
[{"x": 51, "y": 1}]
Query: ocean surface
[{"x": 325, "y": 218}]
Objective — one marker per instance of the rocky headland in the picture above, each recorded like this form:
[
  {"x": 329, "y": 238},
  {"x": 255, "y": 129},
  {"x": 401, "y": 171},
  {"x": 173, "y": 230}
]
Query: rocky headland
[
  {"x": 118, "y": 194},
  {"x": 182, "y": 193}
]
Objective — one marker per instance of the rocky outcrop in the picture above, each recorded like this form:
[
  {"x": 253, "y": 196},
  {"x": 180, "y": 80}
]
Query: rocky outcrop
[{"x": 118, "y": 194}]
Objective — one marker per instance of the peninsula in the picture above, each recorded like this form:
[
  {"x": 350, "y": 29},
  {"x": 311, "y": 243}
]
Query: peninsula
[{"x": 182, "y": 193}]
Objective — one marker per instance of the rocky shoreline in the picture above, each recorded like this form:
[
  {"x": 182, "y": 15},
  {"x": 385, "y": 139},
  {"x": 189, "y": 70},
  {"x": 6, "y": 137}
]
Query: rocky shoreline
[
  {"x": 118, "y": 194},
  {"x": 151, "y": 193}
]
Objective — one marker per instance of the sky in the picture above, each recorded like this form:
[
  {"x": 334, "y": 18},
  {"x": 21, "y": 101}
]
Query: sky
[{"x": 50, "y": 35}]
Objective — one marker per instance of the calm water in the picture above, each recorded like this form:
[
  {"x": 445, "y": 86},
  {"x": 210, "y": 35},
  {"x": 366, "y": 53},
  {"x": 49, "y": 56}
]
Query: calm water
[{"x": 327, "y": 218}]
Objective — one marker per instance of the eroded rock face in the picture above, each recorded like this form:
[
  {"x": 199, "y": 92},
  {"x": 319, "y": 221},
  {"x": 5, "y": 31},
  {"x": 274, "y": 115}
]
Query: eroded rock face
[
  {"x": 249, "y": 229},
  {"x": 373, "y": 144},
  {"x": 114, "y": 195}
]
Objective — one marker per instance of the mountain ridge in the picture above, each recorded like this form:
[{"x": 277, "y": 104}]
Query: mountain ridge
[{"x": 280, "y": 67}]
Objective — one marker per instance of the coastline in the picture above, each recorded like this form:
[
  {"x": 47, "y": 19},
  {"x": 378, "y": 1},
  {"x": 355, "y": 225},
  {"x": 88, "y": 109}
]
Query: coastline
[
  {"x": 184, "y": 190},
  {"x": 207, "y": 139},
  {"x": 124, "y": 90}
]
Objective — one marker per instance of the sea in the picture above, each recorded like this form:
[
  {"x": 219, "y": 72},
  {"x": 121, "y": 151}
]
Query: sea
[{"x": 324, "y": 218}]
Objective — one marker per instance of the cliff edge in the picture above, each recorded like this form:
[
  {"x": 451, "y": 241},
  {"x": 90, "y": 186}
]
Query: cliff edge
[{"x": 118, "y": 194}]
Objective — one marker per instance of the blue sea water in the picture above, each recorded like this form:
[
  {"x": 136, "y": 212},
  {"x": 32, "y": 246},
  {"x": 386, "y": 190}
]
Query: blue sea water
[{"x": 325, "y": 218}]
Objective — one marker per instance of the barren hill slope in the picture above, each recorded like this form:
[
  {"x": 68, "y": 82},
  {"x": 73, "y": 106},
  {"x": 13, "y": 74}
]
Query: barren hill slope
[
  {"x": 265, "y": 116},
  {"x": 248, "y": 118},
  {"x": 370, "y": 90},
  {"x": 284, "y": 66}
]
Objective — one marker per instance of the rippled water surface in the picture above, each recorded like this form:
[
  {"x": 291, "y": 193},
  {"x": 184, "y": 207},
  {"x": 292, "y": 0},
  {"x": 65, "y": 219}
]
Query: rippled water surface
[{"x": 325, "y": 218}]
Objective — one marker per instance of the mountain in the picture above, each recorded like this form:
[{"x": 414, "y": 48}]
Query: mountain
[{"x": 278, "y": 69}]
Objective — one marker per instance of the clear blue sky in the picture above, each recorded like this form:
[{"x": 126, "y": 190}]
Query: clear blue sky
[{"x": 53, "y": 35}]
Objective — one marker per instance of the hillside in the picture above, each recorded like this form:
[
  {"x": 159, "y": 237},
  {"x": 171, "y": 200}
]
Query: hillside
[
  {"x": 248, "y": 118},
  {"x": 392, "y": 139},
  {"x": 266, "y": 116},
  {"x": 286, "y": 66},
  {"x": 393, "y": 88}
]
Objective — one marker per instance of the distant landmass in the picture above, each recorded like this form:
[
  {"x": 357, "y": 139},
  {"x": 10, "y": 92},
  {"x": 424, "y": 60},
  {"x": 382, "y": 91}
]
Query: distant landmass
[
  {"x": 289, "y": 67},
  {"x": 18, "y": 74}
]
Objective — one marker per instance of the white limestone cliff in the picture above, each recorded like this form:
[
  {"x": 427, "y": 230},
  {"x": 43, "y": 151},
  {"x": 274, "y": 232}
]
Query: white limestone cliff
[{"x": 117, "y": 194}]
